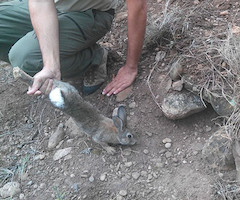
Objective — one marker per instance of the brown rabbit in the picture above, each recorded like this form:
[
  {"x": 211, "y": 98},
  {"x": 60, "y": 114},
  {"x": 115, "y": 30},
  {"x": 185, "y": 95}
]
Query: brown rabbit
[{"x": 103, "y": 130}]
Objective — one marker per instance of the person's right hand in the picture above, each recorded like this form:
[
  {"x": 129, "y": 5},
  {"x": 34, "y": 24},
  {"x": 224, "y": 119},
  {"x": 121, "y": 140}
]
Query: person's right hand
[{"x": 43, "y": 82}]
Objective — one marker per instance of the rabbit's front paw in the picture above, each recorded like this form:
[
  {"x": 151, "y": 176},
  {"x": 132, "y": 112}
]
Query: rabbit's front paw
[{"x": 110, "y": 150}]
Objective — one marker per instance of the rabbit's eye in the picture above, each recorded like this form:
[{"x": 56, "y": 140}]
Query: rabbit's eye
[{"x": 129, "y": 136}]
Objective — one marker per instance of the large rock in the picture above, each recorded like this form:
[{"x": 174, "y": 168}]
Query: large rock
[
  {"x": 178, "y": 105},
  {"x": 217, "y": 151},
  {"x": 220, "y": 104}
]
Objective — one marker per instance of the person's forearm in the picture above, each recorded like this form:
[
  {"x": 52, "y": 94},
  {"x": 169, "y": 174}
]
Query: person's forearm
[
  {"x": 45, "y": 23},
  {"x": 137, "y": 15}
]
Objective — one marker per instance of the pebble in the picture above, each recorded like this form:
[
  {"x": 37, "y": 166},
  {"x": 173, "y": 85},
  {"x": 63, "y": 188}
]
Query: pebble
[
  {"x": 150, "y": 177},
  {"x": 121, "y": 96},
  {"x": 21, "y": 196},
  {"x": 144, "y": 173},
  {"x": 168, "y": 145},
  {"x": 127, "y": 152},
  {"x": 160, "y": 165},
  {"x": 10, "y": 189},
  {"x": 132, "y": 105},
  {"x": 196, "y": 2},
  {"x": 128, "y": 164},
  {"x": 39, "y": 157},
  {"x": 135, "y": 175},
  {"x": 177, "y": 85},
  {"x": 168, "y": 154},
  {"x": 195, "y": 153},
  {"x": 103, "y": 177},
  {"x": 208, "y": 128},
  {"x": 56, "y": 137},
  {"x": 145, "y": 151},
  {"x": 123, "y": 193},
  {"x": 223, "y": 13},
  {"x": 119, "y": 197},
  {"x": 62, "y": 153},
  {"x": 162, "y": 151},
  {"x": 166, "y": 140},
  {"x": 175, "y": 160},
  {"x": 149, "y": 134},
  {"x": 91, "y": 178}
]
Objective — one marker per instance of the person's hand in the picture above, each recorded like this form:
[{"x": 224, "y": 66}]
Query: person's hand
[
  {"x": 125, "y": 77},
  {"x": 43, "y": 82}
]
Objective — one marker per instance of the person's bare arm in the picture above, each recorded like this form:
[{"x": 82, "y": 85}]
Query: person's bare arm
[
  {"x": 45, "y": 23},
  {"x": 137, "y": 15}
]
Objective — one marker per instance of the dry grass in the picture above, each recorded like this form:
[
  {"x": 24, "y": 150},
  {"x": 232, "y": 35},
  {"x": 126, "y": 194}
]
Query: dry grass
[
  {"x": 229, "y": 51},
  {"x": 226, "y": 190},
  {"x": 173, "y": 22}
]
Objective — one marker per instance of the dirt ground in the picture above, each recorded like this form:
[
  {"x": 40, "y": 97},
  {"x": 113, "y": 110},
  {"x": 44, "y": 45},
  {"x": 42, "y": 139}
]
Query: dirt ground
[{"x": 147, "y": 170}]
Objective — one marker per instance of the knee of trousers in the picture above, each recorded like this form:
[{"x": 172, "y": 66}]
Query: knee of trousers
[{"x": 27, "y": 57}]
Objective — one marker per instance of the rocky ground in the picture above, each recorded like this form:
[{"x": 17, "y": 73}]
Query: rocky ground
[{"x": 166, "y": 163}]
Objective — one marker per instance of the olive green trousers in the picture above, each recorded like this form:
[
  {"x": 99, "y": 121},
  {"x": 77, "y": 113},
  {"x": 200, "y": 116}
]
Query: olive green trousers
[{"x": 78, "y": 34}]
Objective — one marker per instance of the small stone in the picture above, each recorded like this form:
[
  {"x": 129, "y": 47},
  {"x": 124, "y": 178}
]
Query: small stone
[
  {"x": 177, "y": 85},
  {"x": 145, "y": 151},
  {"x": 220, "y": 175},
  {"x": 160, "y": 56},
  {"x": 208, "y": 128},
  {"x": 123, "y": 193},
  {"x": 195, "y": 153},
  {"x": 128, "y": 164},
  {"x": 176, "y": 70},
  {"x": 127, "y": 152},
  {"x": 167, "y": 140},
  {"x": 223, "y": 13},
  {"x": 196, "y": 2},
  {"x": 121, "y": 16},
  {"x": 144, "y": 173},
  {"x": 135, "y": 175},
  {"x": 162, "y": 151},
  {"x": 121, "y": 96},
  {"x": 103, "y": 177},
  {"x": 61, "y": 153},
  {"x": 39, "y": 157},
  {"x": 150, "y": 177},
  {"x": 91, "y": 178},
  {"x": 184, "y": 162},
  {"x": 132, "y": 105},
  {"x": 175, "y": 160},
  {"x": 10, "y": 189},
  {"x": 149, "y": 134},
  {"x": 168, "y": 145},
  {"x": 160, "y": 165},
  {"x": 168, "y": 154},
  {"x": 21, "y": 196},
  {"x": 56, "y": 137},
  {"x": 115, "y": 111},
  {"x": 119, "y": 197}
]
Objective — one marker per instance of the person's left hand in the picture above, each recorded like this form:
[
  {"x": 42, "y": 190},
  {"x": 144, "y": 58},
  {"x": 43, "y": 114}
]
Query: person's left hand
[
  {"x": 43, "y": 82},
  {"x": 125, "y": 77}
]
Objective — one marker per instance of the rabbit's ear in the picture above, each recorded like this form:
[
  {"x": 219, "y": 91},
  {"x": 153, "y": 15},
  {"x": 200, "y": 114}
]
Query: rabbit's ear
[
  {"x": 118, "y": 123},
  {"x": 122, "y": 114}
]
